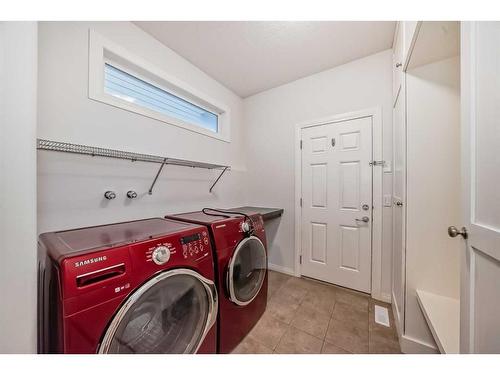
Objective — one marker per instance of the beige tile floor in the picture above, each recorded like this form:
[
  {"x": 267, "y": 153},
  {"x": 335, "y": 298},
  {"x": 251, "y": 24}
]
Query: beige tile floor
[{"x": 309, "y": 317}]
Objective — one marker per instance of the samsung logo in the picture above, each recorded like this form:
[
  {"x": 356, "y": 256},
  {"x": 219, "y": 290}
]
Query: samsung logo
[{"x": 90, "y": 261}]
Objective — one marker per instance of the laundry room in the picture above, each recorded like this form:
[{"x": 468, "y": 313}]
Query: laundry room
[
  {"x": 242, "y": 187},
  {"x": 82, "y": 119}
]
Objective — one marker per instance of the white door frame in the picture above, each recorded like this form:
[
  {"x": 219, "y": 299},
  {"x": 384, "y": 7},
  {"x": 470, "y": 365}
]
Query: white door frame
[{"x": 376, "y": 114}]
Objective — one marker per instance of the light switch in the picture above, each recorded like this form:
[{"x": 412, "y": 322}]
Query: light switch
[{"x": 387, "y": 200}]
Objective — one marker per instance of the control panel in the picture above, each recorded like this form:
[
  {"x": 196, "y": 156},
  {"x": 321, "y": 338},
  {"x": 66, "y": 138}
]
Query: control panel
[
  {"x": 161, "y": 255},
  {"x": 257, "y": 223},
  {"x": 195, "y": 245}
]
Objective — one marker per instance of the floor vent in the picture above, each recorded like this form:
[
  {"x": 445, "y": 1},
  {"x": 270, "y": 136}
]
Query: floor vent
[{"x": 382, "y": 316}]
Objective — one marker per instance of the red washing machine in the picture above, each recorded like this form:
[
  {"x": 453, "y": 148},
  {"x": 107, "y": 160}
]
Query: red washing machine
[
  {"x": 127, "y": 288},
  {"x": 241, "y": 263}
]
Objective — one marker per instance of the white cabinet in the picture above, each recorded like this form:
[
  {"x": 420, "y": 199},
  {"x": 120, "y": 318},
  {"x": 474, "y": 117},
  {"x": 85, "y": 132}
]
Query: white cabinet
[
  {"x": 404, "y": 39},
  {"x": 410, "y": 33},
  {"x": 397, "y": 63},
  {"x": 426, "y": 181},
  {"x": 399, "y": 197},
  {"x": 450, "y": 90}
]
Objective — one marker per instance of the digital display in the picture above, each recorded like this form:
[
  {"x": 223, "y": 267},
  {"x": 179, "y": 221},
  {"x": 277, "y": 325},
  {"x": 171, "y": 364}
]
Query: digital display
[{"x": 191, "y": 238}]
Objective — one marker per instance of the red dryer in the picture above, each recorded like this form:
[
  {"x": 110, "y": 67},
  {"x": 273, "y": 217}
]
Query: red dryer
[
  {"x": 127, "y": 288},
  {"x": 241, "y": 264}
]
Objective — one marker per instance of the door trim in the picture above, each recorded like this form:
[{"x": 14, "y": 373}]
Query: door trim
[{"x": 376, "y": 114}]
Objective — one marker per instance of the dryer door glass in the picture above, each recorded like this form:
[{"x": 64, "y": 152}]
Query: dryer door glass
[
  {"x": 247, "y": 270},
  {"x": 170, "y": 313}
]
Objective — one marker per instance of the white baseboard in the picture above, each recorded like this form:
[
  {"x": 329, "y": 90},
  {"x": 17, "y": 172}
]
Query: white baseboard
[
  {"x": 286, "y": 270},
  {"x": 397, "y": 318},
  {"x": 410, "y": 345},
  {"x": 384, "y": 297}
]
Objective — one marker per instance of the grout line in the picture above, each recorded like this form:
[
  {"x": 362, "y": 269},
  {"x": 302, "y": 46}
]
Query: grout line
[
  {"x": 328, "y": 342},
  {"x": 322, "y": 346},
  {"x": 307, "y": 333},
  {"x": 289, "y": 325},
  {"x": 281, "y": 338},
  {"x": 328, "y": 328},
  {"x": 333, "y": 310}
]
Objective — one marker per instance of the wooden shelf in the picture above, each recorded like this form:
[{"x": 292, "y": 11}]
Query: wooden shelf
[{"x": 443, "y": 317}]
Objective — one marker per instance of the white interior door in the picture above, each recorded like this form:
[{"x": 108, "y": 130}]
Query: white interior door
[
  {"x": 480, "y": 270},
  {"x": 399, "y": 207},
  {"x": 337, "y": 203}
]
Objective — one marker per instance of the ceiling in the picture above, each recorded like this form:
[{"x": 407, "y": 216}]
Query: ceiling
[{"x": 253, "y": 56}]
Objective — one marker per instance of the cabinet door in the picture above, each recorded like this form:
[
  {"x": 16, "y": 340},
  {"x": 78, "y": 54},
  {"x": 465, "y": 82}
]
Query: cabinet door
[
  {"x": 409, "y": 31},
  {"x": 399, "y": 208},
  {"x": 397, "y": 63},
  {"x": 480, "y": 269}
]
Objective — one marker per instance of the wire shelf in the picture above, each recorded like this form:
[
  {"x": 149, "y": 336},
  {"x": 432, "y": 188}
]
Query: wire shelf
[
  {"x": 72, "y": 148},
  {"x": 44, "y": 144}
]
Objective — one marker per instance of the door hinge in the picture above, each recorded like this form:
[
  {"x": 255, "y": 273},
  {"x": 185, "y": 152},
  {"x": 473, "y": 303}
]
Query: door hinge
[
  {"x": 300, "y": 259},
  {"x": 300, "y": 202},
  {"x": 301, "y": 144}
]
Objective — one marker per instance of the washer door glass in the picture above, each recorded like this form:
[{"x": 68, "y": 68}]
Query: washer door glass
[
  {"x": 170, "y": 313},
  {"x": 247, "y": 270}
]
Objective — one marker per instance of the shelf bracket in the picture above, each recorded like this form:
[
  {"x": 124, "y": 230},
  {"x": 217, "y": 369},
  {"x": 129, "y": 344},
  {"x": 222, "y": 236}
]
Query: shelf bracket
[
  {"x": 218, "y": 178},
  {"x": 150, "y": 192},
  {"x": 72, "y": 148}
]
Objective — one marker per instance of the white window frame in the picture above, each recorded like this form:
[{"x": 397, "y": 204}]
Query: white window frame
[{"x": 102, "y": 51}]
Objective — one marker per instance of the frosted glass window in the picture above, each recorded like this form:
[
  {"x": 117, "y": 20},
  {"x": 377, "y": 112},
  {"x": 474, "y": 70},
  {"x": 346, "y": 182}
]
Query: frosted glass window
[{"x": 131, "y": 89}]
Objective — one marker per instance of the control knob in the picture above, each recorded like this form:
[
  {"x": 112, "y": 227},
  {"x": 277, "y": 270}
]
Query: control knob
[
  {"x": 245, "y": 227},
  {"x": 161, "y": 255}
]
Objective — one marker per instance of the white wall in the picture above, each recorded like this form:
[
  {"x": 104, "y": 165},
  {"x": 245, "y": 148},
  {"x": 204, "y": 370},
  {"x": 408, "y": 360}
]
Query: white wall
[
  {"x": 18, "y": 77},
  {"x": 71, "y": 187},
  {"x": 433, "y": 188},
  {"x": 270, "y": 119}
]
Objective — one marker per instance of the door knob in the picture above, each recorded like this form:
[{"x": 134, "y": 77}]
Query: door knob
[
  {"x": 453, "y": 232},
  {"x": 364, "y": 219},
  {"x": 398, "y": 203}
]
